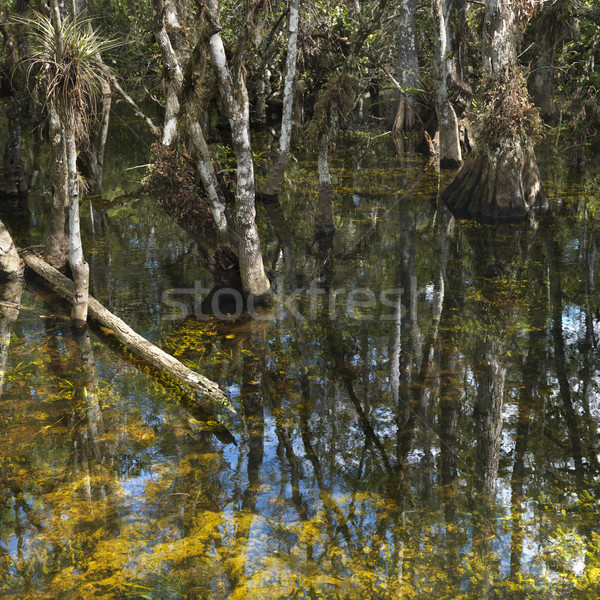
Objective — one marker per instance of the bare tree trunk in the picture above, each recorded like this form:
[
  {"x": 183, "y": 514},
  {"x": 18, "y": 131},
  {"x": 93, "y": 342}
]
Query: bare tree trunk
[
  {"x": 164, "y": 14},
  {"x": 450, "y": 153},
  {"x": 490, "y": 378},
  {"x": 79, "y": 268},
  {"x": 10, "y": 295},
  {"x": 407, "y": 71},
  {"x": 547, "y": 29},
  {"x": 235, "y": 103},
  {"x": 290, "y": 75},
  {"x": 211, "y": 185},
  {"x": 95, "y": 153},
  {"x": 14, "y": 179},
  {"x": 325, "y": 224},
  {"x": 10, "y": 263},
  {"x": 277, "y": 171},
  {"x": 57, "y": 242}
]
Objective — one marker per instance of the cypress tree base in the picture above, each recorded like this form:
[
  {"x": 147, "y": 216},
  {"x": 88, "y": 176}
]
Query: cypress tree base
[{"x": 498, "y": 184}]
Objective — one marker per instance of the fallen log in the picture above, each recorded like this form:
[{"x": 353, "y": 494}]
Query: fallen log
[{"x": 65, "y": 288}]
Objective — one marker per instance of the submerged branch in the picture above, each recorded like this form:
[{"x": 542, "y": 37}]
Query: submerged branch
[{"x": 64, "y": 287}]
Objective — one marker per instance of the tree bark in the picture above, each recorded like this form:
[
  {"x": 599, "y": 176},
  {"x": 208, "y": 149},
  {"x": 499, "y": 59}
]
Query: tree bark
[
  {"x": 11, "y": 265},
  {"x": 490, "y": 377},
  {"x": 235, "y": 103},
  {"x": 14, "y": 178},
  {"x": 164, "y": 13},
  {"x": 94, "y": 155},
  {"x": 276, "y": 174},
  {"x": 450, "y": 152},
  {"x": 10, "y": 295},
  {"x": 57, "y": 242},
  {"x": 547, "y": 29},
  {"x": 211, "y": 185},
  {"x": 407, "y": 71},
  {"x": 498, "y": 184},
  {"x": 64, "y": 287},
  {"x": 290, "y": 75},
  {"x": 79, "y": 268}
]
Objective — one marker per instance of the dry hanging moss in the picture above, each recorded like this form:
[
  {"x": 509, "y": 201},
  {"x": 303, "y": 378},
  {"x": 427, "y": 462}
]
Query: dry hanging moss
[
  {"x": 337, "y": 97},
  {"x": 172, "y": 183},
  {"x": 508, "y": 112}
]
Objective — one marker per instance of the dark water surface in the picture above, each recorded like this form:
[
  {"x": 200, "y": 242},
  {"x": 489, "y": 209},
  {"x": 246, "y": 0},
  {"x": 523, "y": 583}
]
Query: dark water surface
[{"x": 417, "y": 413}]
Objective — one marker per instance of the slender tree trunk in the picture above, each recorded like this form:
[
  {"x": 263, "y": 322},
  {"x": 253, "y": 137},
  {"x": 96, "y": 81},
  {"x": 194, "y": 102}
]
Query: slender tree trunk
[
  {"x": 15, "y": 180},
  {"x": 235, "y": 103},
  {"x": 79, "y": 268},
  {"x": 95, "y": 153},
  {"x": 209, "y": 181},
  {"x": 10, "y": 262},
  {"x": 407, "y": 71},
  {"x": 450, "y": 152},
  {"x": 277, "y": 171},
  {"x": 290, "y": 75},
  {"x": 164, "y": 15},
  {"x": 325, "y": 224},
  {"x": 57, "y": 243},
  {"x": 542, "y": 77}
]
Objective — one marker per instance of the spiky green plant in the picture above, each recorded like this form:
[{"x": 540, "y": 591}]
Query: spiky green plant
[{"x": 66, "y": 58}]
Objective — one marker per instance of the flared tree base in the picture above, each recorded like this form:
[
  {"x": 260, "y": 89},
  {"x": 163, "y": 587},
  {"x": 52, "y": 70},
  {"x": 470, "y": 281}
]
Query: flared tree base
[{"x": 499, "y": 184}]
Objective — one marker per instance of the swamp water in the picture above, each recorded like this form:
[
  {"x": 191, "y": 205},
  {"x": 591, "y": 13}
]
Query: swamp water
[{"x": 417, "y": 413}]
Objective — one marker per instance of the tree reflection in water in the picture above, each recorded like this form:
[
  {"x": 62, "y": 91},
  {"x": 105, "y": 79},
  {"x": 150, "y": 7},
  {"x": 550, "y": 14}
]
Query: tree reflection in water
[{"x": 446, "y": 451}]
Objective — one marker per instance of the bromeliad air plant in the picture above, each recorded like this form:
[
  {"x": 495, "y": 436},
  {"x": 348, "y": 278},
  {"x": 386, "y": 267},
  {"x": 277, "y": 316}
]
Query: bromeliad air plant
[
  {"x": 66, "y": 64},
  {"x": 65, "y": 57}
]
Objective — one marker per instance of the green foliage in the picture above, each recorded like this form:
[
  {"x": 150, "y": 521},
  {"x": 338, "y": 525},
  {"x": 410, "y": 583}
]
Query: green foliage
[
  {"x": 67, "y": 61},
  {"x": 130, "y": 23},
  {"x": 578, "y": 78}
]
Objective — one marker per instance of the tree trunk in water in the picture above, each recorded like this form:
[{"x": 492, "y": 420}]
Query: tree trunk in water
[
  {"x": 500, "y": 180},
  {"x": 10, "y": 295},
  {"x": 10, "y": 263},
  {"x": 325, "y": 225},
  {"x": 450, "y": 153},
  {"x": 498, "y": 184},
  {"x": 211, "y": 185},
  {"x": 79, "y": 268},
  {"x": 235, "y": 102},
  {"x": 57, "y": 242},
  {"x": 407, "y": 71}
]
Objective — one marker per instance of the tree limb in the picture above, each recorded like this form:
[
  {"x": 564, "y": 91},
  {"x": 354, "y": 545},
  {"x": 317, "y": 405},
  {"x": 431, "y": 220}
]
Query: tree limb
[
  {"x": 64, "y": 287},
  {"x": 156, "y": 131}
]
